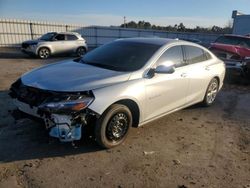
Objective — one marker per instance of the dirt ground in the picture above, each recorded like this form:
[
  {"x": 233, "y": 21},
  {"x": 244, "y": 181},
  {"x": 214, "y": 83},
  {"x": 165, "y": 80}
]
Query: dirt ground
[{"x": 196, "y": 147}]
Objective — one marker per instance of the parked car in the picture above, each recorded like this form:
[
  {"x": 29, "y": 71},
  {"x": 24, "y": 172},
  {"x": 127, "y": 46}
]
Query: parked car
[
  {"x": 56, "y": 43},
  {"x": 235, "y": 51},
  {"x": 128, "y": 82}
]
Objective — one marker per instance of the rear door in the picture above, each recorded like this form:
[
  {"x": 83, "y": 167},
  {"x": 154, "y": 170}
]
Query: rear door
[
  {"x": 198, "y": 70},
  {"x": 72, "y": 43}
]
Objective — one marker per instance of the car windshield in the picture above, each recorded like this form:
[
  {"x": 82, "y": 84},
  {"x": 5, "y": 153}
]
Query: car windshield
[
  {"x": 123, "y": 56},
  {"x": 47, "y": 36}
]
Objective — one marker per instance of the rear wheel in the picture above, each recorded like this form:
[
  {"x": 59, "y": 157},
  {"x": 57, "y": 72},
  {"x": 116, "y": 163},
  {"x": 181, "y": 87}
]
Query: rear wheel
[
  {"x": 113, "y": 126},
  {"x": 80, "y": 51},
  {"x": 211, "y": 92},
  {"x": 44, "y": 53}
]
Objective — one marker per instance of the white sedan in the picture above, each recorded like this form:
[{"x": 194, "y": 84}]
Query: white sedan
[{"x": 125, "y": 83}]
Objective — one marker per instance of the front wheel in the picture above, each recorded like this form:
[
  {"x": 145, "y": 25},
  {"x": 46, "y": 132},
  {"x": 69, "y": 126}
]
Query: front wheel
[
  {"x": 44, "y": 53},
  {"x": 211, "y": 92},
  {"x": 113, "y": 126}
]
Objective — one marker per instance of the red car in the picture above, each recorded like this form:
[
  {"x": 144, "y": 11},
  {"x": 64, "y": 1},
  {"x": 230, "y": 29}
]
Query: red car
[
  {"x": 235, "y": 51},
  {"x": 232, "y": 47}
]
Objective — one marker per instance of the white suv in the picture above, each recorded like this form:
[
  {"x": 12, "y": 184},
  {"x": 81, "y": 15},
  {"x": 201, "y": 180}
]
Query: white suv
[{"x": 56, "y": 43}]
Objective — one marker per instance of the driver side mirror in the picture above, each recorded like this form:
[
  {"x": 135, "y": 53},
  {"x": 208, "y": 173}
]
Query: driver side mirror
[{"x": 165, "y": 68}]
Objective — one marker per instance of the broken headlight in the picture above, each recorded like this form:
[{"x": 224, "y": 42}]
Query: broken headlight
[{"x": 68, "y": 105}]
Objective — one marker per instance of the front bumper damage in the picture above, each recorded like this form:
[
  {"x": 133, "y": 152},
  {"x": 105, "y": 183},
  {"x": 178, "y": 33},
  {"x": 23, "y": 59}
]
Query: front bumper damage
[
  {"x": 61, "y": 126},
  {"x": 65, "y": 125}
]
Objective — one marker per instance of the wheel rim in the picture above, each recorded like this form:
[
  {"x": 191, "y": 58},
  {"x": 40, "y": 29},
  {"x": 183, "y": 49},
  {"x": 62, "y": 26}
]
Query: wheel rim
[
  {"x": 117, "y": 127},
  {"x": 212, "y": 92},
  {"x": 80, "y": 52},
  {"x": 44, "y": 53}
]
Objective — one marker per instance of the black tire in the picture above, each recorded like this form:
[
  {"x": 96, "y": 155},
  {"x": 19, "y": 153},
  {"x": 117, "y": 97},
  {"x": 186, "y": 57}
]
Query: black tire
[
  {"x": 43, "y": 53},
  {"x": 80, "y": 51},
  {"x": 211, "y": 92},
  {"x": 113, "y": 126}
]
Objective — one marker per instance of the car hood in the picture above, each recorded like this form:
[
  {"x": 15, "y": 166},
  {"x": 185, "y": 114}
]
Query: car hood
[
  {"x": 70, "y": 76},
  {"x": 31, "y": 42}
]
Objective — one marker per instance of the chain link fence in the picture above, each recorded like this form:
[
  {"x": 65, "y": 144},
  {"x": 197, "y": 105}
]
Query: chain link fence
[{"x": 14, "y": 32}]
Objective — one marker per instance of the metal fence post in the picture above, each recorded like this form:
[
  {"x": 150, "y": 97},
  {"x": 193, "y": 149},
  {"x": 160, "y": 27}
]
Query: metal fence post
[
  {"x": 31, "y": 31},
  {"x": 96, "y": 41},
  {"x": 119, "y": 30}
]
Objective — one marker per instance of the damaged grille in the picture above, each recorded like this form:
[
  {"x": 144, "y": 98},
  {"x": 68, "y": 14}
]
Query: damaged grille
[
  {"x": 28, "y": 95},
  {"x": 35, "y": 97}
]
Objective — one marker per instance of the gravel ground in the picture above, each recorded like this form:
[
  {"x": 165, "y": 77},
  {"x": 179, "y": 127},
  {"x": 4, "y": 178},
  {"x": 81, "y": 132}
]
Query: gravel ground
[{"x": 195, "y": 147}]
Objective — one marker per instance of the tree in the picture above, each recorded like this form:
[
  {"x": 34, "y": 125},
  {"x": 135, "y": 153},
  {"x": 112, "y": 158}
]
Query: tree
[
  {"x": 132, "y": 24},
  {"x": 147, "y": 25},
  {"x": 140, "y": 24},
  {"x": 181, "y": 27}
]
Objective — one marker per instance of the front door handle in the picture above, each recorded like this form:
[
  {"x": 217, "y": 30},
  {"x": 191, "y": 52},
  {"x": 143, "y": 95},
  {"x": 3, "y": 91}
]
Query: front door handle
[
  {"x": 207, "y": 68},
  {"x": 184, "y": 75}
]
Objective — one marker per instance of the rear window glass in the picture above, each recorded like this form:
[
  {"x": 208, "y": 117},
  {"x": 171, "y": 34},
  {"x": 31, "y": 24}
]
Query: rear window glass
[
  {"x": 71, "y": 37},
  {"x": 194, "y": 54},
  {"x": 228, "y": 40},
  {"x": 232, "y": 40},
  {"x": 207, "y": 55}
]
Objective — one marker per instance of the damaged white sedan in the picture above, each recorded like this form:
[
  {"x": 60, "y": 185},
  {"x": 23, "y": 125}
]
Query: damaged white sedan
[{"x": 125, "y": 83}]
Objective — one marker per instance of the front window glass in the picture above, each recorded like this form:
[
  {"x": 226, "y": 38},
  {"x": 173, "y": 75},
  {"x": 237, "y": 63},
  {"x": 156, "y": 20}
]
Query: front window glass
[
  {"x": 48, "y": 36},
  {"x": 60, "y": 37},
  {"x": 173, "y": 54}
]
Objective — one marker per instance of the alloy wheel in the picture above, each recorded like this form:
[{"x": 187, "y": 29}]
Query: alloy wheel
[
  {"x": 212, "y": 91},
  {"x": 44, "y": 53}
]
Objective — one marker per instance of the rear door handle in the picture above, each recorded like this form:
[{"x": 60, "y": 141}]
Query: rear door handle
[{"x": 184, "y": 75}]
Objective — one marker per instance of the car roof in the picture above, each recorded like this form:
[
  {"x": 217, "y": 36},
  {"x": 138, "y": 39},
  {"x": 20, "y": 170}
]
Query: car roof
[
  {"x": 68, "y": 33},
  {"x": 155, "y": 41}
]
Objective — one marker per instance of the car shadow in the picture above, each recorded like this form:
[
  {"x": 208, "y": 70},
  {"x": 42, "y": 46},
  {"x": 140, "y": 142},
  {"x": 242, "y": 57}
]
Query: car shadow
[
  {"x": 232, "y": 78},
  {"x": 23, "y": 139},
  {"x": 16, "y": 53}
]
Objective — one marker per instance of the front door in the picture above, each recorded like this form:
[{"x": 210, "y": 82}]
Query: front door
[
  {"x": 59, "y": 44},
  {"x": 167, "y": 92}
]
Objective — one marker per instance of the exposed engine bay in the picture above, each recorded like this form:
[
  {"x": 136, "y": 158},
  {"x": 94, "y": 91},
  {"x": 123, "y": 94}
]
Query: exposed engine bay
[{"x": 64, "y": 113}]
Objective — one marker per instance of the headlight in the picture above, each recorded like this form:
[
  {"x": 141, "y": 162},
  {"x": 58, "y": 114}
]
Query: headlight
[
  {"x": 67, "y": 106},
  {"x": 244, "y": 63}
]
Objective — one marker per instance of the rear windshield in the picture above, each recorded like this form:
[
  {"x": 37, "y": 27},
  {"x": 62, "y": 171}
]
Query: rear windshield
[
  {"x": 232, "y": 40},
  {"x": 121, "y": 55}
]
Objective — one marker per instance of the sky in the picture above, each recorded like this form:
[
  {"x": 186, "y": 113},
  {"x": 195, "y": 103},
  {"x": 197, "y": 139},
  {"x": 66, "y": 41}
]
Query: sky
[{"x": 191, "y": 13}]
